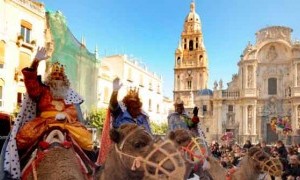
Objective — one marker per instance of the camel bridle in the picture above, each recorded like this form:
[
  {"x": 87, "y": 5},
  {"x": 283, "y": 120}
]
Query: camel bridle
[
  {"x": 193, "y": 152},
  {"x": 271, "y": 165},
  {"x": 145, "y": 162}
]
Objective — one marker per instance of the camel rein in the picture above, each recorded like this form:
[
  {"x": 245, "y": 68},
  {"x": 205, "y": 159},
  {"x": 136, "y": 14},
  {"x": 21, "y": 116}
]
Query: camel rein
[
  {"x": 139, "y": 161},
  {"x": 193, "y": 151}
]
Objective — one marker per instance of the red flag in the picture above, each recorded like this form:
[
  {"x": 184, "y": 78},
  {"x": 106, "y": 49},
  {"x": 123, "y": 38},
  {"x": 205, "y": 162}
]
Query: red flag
[{"x": 105, "y": 139}]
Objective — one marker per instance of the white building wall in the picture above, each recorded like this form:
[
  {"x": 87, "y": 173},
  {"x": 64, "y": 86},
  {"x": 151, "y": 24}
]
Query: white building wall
[
  {"x": 11, "y": 14},
  {"x": 130, "y": 72}
]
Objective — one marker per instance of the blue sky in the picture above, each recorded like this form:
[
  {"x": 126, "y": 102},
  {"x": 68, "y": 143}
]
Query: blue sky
[{"x": 149, "y": 30}]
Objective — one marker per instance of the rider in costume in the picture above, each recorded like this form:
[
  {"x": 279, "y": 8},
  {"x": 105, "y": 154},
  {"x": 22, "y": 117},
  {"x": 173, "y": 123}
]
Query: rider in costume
[{"x": 49, "y": 104}]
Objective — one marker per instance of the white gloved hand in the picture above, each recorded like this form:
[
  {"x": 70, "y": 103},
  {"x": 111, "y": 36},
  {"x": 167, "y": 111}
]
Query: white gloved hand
[
  {"x": 60, "y": 117},
  {"x": 41, "y": 54},
  {"x": 117, "y": 84}
]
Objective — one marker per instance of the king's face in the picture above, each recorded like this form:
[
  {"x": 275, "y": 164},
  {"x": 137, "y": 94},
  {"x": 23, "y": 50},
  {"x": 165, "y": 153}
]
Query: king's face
[{"x": 57, "y": 75}]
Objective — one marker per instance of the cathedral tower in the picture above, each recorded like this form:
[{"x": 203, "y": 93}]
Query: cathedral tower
[{"x": 191, "y": 64}]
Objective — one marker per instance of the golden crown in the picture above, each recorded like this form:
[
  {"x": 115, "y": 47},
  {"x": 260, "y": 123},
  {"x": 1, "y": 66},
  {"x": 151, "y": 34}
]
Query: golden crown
[
  {"x": 133, "y": 94},
  {"x": 57, "y": 67}
]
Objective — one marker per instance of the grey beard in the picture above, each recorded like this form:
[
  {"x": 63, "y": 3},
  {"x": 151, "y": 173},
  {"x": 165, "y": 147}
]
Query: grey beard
[{"x": 58, "y": 89}]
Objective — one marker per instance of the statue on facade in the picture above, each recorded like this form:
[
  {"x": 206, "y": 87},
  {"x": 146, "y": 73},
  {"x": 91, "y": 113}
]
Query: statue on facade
[
  {"x": 221, "y": 84},
  {"x": 215, "y": 85},
  {"x": 272, "y": 54}
]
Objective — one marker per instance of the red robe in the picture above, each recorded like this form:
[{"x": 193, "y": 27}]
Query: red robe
[{"x": 47, "y": 109}]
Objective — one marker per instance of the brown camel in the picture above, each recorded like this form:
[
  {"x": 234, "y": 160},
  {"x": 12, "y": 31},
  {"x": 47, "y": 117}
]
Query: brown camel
[
  {"x": 135, "y": 155},
  {"x": 55, "y": 158},
  {"x": 256, "y": 162},
  {"x": 193, "y": 150}
]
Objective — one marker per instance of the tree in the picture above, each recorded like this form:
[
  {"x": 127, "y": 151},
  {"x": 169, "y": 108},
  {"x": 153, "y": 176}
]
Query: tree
[
  {"x": 96, "y": 118},
  {"x": 159, "y": 129}
]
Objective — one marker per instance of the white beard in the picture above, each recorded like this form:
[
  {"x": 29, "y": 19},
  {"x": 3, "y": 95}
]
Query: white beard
[{"x": 58, "y": 89}]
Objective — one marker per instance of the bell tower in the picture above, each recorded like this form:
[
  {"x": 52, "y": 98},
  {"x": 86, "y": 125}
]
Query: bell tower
[{"x": 191, "y": 63}]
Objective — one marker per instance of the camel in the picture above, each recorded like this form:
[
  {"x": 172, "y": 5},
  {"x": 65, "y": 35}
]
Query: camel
[
  {"x": 135, "y": 155},
  {"x": 256, "y": 162},
  {"x": 193, "y": 150},
  {"x": 254, "y": 165},
  {"x": 55, "y": 158}
]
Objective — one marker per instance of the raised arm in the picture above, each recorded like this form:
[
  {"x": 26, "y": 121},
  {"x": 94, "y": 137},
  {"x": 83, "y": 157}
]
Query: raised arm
[
  {"x": 113, "y": 103},
  {"x": 32, "y": 84}
]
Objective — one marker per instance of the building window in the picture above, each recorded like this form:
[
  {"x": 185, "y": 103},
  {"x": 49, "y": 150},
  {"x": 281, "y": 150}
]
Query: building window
[
  {"x": 1, "y": 92},
  {"x": 150, "y": 86},
  {"x": 129, "y": 78},
  {"x": 106, "y": 95},
  {"x": 141, "y": 81},
  {"x": 26, "y": 28},
  {"x": 157, "y": 108},
  {"x": 178, "y": 61},
  {"x": 230, "y": 108},
  {"x": 184, "y": 44},
  {"x": 272, "y": 86},
  {"x": 191, "y": 45},
  {"x": 150, "y": 105},
  {"x": 158, "y": 89},
  {"x": 2, "y": 53},
  {"x": 204, "y": 109},
  {"x": 24, "y": 61},
  {"x": 189, "y": 84},
  {"x": 298, "y": 115},
  {"x": 178, "y": 82}
]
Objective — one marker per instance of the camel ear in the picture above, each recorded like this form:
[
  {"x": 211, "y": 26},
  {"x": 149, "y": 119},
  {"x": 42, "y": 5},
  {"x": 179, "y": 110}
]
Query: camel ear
[
  {"x": 171, "y": 135},
  {"x": 115, "y": 135}
]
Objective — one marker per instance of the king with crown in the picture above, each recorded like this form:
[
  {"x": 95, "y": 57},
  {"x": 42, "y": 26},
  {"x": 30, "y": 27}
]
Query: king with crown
[
  {"x": 48, "y": 105},
  {"x": 133, "y": 112}
]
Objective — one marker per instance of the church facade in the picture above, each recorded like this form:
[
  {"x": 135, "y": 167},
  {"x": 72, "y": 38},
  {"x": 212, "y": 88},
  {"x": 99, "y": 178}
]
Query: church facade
[{"x": 262, "y": 102}]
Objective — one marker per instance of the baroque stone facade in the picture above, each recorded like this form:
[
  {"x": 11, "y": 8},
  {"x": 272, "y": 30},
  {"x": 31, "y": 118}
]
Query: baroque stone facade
[{"x": 265, "y": 89}]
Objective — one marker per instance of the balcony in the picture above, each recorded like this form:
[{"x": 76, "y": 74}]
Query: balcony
[{"x": 230, "y": 94}]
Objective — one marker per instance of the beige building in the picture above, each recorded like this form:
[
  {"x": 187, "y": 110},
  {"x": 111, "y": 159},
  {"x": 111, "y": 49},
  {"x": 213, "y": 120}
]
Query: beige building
[
  {"x": 22, "y": 30},
  {"x": 133, "y": 75},
  {"x": 265, "y": 90}
]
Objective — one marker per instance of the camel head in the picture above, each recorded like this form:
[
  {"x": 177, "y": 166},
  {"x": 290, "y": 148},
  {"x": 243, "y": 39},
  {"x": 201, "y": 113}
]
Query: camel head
[
  {"x": 139, "y": 152},
  {"x": 194, "y": 149},
  {"x": 263, "y": 162}
]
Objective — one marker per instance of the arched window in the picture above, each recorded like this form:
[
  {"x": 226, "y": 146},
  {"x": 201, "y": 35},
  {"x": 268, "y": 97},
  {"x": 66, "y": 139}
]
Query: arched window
[
  {"x": 150, "y": 105},
  {"x": 178, "y": 82},
  {"x": 272, "y": 86},
  {"x": 191, "y": 45},
  {"x": 2, "y": 53},
  {"x": 178, "y": 60},
  {"x": 106, "y": 95}
]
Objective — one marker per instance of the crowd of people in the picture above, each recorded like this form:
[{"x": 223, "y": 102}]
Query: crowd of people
[{"x": 231, "y": 155}]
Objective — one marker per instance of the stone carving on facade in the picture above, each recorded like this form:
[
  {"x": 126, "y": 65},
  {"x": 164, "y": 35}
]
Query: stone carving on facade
[
  {"x": 275, "y": 32},
  {"x": 250, "y": 77},
  {"x": 272, "y": 54}
]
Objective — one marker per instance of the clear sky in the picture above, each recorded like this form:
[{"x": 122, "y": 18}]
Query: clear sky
[{"x": 149, "y": 30}]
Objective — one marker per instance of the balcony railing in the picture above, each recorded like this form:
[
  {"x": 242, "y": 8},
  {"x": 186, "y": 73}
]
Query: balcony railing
[{"x": 230, "y": 94}]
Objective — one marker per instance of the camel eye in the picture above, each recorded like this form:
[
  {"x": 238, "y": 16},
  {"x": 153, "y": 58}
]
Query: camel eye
[{"x": 138, "y": 145}]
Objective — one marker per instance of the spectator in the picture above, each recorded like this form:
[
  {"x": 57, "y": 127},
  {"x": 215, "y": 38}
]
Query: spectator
[
  {"x": 293, "y": 169},
  {"x": 265, "y": 148},
  {"x": 248, "y": 144}
]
